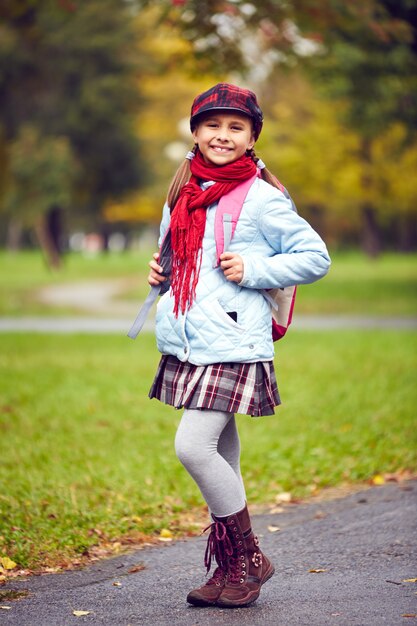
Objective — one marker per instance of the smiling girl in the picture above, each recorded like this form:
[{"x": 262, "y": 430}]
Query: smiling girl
[{"x": 213, "y": 326}]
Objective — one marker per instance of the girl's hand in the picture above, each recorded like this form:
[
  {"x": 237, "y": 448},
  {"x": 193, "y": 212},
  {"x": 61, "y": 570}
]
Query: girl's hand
[
  {"x": 155, "y": 277},
  {"x": 232, "y": 266}
]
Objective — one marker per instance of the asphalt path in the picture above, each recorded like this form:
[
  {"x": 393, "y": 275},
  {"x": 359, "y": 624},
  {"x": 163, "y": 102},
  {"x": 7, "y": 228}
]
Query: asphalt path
[{"x": 340, "y": 562}]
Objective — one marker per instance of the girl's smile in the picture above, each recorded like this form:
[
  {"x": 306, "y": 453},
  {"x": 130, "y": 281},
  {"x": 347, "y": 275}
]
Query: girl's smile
[{"x": 224, "y": 137}]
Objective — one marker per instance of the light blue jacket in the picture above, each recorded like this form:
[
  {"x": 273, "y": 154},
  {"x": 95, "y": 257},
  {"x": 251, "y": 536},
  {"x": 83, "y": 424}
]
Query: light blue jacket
[{"x": 278, "y": 248}]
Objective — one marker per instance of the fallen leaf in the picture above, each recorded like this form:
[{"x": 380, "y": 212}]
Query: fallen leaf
[
  {"x": 285, "y": 496},
  {"x": 378, "y": 480},
  {"x": 409, "y": 615},
  {"x": 117, "y": 584},
  {"x": 410, "y": 580},
  {"x": 165, "y": 535},
  {"x": 5, "y": 608},
  {"x": 81, "y": 613},
  {"x": 317, "y": 570},
  {"x": 276, "y": 509},
  {"x": 136, "y": 568},
  {"x": 7, "y": 563},
  {"x": 273, "y": 529}
]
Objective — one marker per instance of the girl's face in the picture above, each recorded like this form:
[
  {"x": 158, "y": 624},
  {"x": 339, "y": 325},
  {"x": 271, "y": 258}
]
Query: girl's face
[{"x": 223, "y": 137}]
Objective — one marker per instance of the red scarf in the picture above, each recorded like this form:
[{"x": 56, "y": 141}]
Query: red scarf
[{"x": 188, "y": 221}]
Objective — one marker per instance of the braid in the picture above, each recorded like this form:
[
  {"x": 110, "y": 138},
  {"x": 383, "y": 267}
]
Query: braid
[
  {"x": 266, "y": 175},
  {"x": 181, "y": 177}
]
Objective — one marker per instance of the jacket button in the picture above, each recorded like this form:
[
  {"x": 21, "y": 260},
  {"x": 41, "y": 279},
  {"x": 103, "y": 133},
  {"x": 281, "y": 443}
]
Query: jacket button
[
  {"x": 251, "y": 346},
  {"x": 185, "y": 350}
]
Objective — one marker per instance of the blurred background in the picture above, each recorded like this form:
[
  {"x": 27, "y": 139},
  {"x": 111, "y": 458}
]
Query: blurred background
[
  {"x": 95, "y": 99},
  {"x": 94, "y": 119}
]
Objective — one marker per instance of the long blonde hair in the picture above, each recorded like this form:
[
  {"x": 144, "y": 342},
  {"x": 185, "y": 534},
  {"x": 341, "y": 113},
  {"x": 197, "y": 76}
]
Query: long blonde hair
[{"x": 183, "y": 175}]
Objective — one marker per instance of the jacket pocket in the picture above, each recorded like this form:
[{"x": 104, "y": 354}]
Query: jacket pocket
[{"x": 224, "y": 317}]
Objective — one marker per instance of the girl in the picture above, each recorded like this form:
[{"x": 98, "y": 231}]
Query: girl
[{"x": 213, "y": 326}]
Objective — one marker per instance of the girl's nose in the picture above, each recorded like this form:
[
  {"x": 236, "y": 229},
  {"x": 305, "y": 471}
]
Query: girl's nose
[{"x": 223, "y": 134}]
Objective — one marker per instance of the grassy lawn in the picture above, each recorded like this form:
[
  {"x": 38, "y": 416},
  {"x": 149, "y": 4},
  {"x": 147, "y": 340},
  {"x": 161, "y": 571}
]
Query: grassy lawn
[
  {"x": 386, "y": 286},
  {"x": 87, "y": 458}
]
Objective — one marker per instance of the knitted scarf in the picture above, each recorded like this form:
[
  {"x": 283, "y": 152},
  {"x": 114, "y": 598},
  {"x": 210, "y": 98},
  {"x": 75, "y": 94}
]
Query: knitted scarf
[{"x": 188, "y": 221}]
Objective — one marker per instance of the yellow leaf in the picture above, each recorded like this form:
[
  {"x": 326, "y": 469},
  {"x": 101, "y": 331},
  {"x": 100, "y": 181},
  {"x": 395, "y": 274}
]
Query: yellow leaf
[
  {"x": 273, "y": 529},
  {"x": 410, "y": 580},
  {"x": 7, "y": 563},
  {"x": 378, "y": 480},
  {"x": 81, "y": 613},
  {"x": 117, "y": 584},
  {"x": 5, "y": 608},
  {"x": 317, "y": 571},
  {"x": 165, "y": 535}
]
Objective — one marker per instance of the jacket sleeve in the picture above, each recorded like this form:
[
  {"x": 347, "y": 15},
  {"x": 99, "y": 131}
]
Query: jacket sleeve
[{"x": 300, "y": 257}]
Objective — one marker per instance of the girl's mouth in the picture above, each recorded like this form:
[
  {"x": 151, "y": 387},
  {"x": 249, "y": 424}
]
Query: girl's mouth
[{"x": 220, "y": 149}]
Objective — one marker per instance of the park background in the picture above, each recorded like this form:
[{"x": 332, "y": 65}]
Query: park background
[{"x": 94, "y": 107}]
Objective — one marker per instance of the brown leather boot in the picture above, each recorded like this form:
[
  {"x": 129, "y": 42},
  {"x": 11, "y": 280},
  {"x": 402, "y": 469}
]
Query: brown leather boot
[
  {"x": 219, "y": 547},
  {"x": 248, "y": 568}
]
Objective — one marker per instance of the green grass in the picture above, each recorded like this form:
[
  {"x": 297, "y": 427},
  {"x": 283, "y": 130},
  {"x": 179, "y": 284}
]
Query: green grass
[
  {"x": 22, "y": 275},
  {"x": 85, "y": 454},
  {"x": 358, "y": 285},
  {"x": 355, "y": 285}
]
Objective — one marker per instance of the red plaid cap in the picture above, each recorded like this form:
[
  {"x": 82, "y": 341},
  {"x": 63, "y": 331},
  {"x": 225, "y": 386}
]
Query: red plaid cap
[{"x": 226, "y": 97}]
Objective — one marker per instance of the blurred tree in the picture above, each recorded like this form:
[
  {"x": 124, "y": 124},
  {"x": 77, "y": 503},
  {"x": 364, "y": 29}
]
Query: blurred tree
[
  {"x": 168, "y": 85},
  {"x": 319, "y": 158},
  {"x": 69, "y": 69},
  {"x": 42, "y": 171},
  {"x": 371, "y": 65},
  {"x": 361, "y": 54}
]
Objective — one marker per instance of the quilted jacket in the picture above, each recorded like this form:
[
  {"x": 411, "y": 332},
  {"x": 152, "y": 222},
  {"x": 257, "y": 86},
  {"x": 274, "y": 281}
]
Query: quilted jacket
[{"x": 278, "y": 247}]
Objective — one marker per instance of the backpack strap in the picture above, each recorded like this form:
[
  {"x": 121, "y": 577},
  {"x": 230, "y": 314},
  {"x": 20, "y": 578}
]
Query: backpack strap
[
  {"x": 143, "y": 312},
  {"x": 155, "y": 291},
  {"x": 230, "y": 205}
]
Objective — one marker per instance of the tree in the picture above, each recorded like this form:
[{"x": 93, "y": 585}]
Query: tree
[
  {"x": 362, "y": 55},
  {"x": 69, "y": 69},
  {"x": 371, "y": 66},
  {"x": 42, "y": 171}
]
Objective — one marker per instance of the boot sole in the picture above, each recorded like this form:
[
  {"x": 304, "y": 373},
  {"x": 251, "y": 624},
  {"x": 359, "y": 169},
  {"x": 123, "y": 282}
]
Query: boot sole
[
  {"x": 250, "y": 598},
  {"x": 196, "y": 601}
]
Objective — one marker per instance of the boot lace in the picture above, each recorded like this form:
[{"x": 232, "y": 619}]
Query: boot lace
[
  {"x": 236, "y": 571},
  {"x": 218, "y": 546},
  {"x": 218, "y": 577}
]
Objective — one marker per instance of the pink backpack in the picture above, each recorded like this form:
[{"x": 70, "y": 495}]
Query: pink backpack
[{"x": 227, "y": 215}]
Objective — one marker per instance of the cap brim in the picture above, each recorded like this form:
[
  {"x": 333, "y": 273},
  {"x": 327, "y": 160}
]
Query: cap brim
[{"x": 212, "y": 109}]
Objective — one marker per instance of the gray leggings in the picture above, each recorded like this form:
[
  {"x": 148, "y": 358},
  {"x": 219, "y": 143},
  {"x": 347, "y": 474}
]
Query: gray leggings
[{"x": 207, "y": 444}]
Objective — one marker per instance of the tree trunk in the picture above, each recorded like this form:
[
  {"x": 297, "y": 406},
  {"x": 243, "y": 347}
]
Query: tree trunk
[
  {"x": 55, "y": 225},
  {"x": 46, "y": 242},
  {"x": 371, "y": 235},
  {"x": 14, "y": 235}
]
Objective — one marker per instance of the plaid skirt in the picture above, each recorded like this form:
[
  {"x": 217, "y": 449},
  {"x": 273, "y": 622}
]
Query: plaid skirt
[{"x": 247, "y": 388}]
